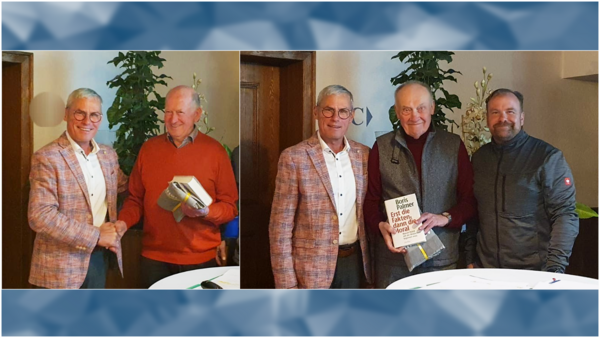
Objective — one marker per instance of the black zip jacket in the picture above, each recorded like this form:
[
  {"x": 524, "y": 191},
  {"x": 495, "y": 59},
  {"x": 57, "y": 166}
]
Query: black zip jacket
[{"x": 526, "y": 199}]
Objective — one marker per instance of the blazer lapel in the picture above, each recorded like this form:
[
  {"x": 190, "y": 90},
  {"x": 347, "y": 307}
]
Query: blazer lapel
[
  {"x": 107, "y": 171},
  {"x": 104, "y": 161},
  {"x": 69, "y": 155},
  {"x": 316, "y": 156},
  {"x": 357, "y": 169}
]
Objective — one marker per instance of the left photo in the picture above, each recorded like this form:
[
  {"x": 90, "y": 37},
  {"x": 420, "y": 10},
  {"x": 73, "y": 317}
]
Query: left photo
[{"x": 120, "y": 170}]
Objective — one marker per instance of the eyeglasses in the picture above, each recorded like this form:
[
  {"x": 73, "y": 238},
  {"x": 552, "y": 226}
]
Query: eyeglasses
[
  {"x": 80, "y": 116},
  {"x": 408, "y": 110},
  {"x": 342, "y": 113}
]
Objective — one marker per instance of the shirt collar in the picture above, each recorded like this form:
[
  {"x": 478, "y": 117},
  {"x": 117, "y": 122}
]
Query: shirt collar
[
  {"x": 325, "y": 147},
  {"x": 77, "y": 147},
  {"x": 190, "y": 138}
]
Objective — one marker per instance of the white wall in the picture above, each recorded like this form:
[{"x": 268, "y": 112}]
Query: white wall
[
  {"x": 562, "y": 112},
  {"x": 62, "y": 72},
  {"x": 220, "y": 74},
  {"x": 579, "y": 64}
]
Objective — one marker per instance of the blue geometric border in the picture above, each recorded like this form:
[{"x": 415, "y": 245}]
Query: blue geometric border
[
  {"x": 299, "y": 313},
  {"x": 300, "y": 26}
]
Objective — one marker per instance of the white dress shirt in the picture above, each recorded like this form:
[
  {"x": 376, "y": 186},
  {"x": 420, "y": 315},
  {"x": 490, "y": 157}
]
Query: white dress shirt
[
  {"x": 94, "y": 180},
  {"x": 344, "y": 190}
]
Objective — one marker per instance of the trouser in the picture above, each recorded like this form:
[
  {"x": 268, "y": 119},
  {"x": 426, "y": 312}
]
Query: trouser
[
  {"x": 153, "y": 271},
  {"x": 96, "y": 274},
  {"x": 349, "y": 268}
]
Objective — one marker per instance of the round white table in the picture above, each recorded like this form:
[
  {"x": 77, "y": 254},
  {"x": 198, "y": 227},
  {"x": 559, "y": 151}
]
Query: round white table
[
  {"x": 461, "y": 279},
  {"x": 188, "y": 279}
]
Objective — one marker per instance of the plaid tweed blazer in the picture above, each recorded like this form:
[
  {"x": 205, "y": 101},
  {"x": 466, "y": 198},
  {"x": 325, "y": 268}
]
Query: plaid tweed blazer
[
  {"x": 61, "y": 215},
  {"x": 304, "y": 229}
]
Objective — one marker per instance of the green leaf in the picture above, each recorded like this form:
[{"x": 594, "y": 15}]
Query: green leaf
[
  {"x": 584, "y": 211},
  {"x": 133, "y": 109},
  {"x": 227, "y": 149},
  {"x": 402, "y": 55},
  {"x": 393, "y": 118}
]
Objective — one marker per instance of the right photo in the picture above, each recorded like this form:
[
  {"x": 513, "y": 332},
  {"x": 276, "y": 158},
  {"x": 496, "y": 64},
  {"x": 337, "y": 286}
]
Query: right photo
[{"x": 419, "y": 170}]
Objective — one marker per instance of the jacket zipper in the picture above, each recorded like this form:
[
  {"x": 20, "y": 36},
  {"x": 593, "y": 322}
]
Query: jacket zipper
[
  {"x": 496, "y": 208},
  {"x": 421, "y": 174},
  {"x": 414, "y": 163},
  {"x": 503, "y": 193}
]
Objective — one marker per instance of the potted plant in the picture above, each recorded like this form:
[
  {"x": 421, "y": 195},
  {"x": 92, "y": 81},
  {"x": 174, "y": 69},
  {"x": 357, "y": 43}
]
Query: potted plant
[
  {"x": 424, "y": 67},
  {"x": 475, "y": 132},
  {"x": 136, "y": 102}
]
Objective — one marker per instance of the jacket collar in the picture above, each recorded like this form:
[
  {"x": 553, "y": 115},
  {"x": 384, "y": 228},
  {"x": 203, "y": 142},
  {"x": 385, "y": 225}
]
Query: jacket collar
[
  {"x": 514, "y": 143},
  {"x": 63, "y": 141},
  {"x": 313, "y": 141},
  {"x": 326, "y": 147}
]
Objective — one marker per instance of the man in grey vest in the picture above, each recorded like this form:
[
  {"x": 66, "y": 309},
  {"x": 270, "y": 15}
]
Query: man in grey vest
[
  {"x": 525, "y": 194},
  {"x": 431, "y": 163}
]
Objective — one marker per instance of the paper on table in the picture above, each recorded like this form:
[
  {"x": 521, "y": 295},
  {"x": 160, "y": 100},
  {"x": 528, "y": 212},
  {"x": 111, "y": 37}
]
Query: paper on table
[
  {"x": 475, "y": 283},
  {"x": 229, "y": 280},
  {"x": 559, "y": 284}
]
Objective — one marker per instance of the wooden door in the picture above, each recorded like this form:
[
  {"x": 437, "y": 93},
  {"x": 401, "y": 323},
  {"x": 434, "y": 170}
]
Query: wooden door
[
  {"x": 17, "y": 143},
  {"x": 277, "y": 95}
]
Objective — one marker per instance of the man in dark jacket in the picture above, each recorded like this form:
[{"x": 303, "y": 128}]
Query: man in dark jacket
[{"x": 525, "y": 195}]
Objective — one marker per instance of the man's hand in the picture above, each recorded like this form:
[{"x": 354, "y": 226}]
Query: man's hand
[
  {"x": 191, "y": 212},
  {"x": 222, "y": 254},
  {"x": 108, "y": 236},
  {"x": 121, "y": 228},
  {"x": 387, "y": 231},
  {"x": 431, "y": 220}
]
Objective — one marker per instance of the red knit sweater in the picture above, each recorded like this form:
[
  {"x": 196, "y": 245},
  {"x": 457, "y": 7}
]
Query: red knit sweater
[{"x": 193, "y": 240}]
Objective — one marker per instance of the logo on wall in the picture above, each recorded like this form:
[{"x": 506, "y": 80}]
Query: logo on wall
[{"x": 361, "y": 119}]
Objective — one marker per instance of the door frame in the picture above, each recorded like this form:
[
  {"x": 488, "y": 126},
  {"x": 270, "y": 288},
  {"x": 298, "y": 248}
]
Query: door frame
[
  {"x": 25, "y": 61},
  {"x": 297, "y": 83},
  {"x": 298, "y": 108}
]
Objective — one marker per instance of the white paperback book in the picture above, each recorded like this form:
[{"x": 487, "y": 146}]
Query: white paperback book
[
  {"x": 191, "y": 185},
  {"x": 402, "y": 212}
]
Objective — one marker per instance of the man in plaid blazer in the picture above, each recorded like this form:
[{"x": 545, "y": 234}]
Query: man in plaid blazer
[
  {"x": 317, "y": 233},
  {"x": 73, "y": 196}
]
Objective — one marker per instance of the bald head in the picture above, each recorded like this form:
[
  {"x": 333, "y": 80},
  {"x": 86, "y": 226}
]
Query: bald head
[
  {"x": 413, "y": 83},
  {"x": 183, "y": 91},
  {"x": 414, "y": 108}
]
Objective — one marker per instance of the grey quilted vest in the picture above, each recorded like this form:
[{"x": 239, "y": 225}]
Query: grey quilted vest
[{"x": 436, "y": 191}]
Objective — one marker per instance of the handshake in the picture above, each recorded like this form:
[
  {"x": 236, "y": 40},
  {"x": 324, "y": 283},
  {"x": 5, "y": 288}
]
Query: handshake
[{"x": 111, "y": 234}]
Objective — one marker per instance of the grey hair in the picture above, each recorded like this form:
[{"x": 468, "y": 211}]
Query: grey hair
[
  {"x": 415, "y": 82},
  {"x": 83, "y": 93},
  {"x": 333, "y": 90},
  {"x": 195, "y": 95}
]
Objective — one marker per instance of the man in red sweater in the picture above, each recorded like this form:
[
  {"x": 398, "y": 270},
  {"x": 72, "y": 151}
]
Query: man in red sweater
[{"x": 169, "y": 247}]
